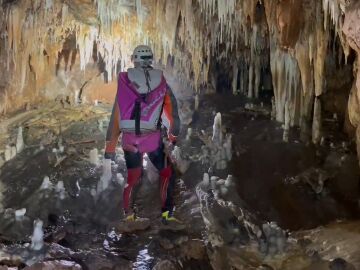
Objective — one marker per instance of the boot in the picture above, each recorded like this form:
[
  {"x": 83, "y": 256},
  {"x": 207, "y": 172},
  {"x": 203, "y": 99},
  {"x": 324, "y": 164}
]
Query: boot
[{"x": 132, "y": 180}]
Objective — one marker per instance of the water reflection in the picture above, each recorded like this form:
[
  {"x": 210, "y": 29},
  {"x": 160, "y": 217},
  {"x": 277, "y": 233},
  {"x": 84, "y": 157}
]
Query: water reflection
[{"x": 143, "y": 260}]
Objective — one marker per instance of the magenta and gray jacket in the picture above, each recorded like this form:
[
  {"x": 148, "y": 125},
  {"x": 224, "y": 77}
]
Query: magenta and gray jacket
[{"x": 139, "y": 118}]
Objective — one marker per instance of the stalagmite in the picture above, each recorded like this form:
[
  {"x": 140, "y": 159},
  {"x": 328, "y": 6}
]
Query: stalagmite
[
  {"x": 37, "y": 239},
  {"x": 221, "y": 159},
  {"x": 235, "y": 79},
  {"x": 213, "y": 181},
  {"x": 257, "y": 77},
  {"x": 13, "y": 152},
  {"x": 46, "y": 184},
  {"x": 242, "y": 80},
  {"x": 229, "y": 181},
  {"x": 19, "y": 214},
  {"x": 316, "y": 128},
  {"x": 2, "y": 161},
  {"x": 251, "y": 79},
  {"x": 120, "y": 178},
  {"x": 60, "y": 190},
  {"x": 181, "y": 164},
  {"x": 7, "y": 152},
  {"x": 105, "y": 179},
  {"x": 274, "y": 239},
  {"x": 1, "y": 196},
  {"x": 217, "y": 129},
  {"x": 224, "y": 190},
  {"x": 19, "y": 140},
  {"x": 76, "y": 97},
  {"x": 287, "y": 123},
  {"x": 101, "y": 125},
  {"x": 197, "y": 102},
  {"x": 188, "y": 134},
  {"x": 78, "y": 188},
  {"x": 228, "y": 146},
  {"x": 273, "y": 109},
  {"x": 206, "y": 180},
  {"x": 94, "y": 157}
]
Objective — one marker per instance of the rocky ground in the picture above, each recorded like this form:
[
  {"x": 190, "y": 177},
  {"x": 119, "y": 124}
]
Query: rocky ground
[{"x": 284, "y": 205}]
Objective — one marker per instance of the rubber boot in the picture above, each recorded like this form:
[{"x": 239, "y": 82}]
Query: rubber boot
[
  {"x": 165, "y": 175},
  {"x": 167, "y": 182},
  {"x": 134, "y": 176}
]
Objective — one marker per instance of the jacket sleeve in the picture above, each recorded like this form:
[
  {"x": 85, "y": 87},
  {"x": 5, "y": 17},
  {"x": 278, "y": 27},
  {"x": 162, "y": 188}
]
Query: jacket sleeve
[
  {"x": 113, "y": 131},
  {"x": 170, "y": 115}
]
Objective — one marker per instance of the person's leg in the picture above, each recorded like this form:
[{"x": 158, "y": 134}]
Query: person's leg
[
  {"x": 167, "y": 178},
  {"x": 134, "y": 170}
]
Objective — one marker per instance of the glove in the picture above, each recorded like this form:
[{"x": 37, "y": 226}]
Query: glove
[
  {"x": 172, "y": 139},
  {"x": 110, "y": 156},
  {"x": 168, "y": 146}
]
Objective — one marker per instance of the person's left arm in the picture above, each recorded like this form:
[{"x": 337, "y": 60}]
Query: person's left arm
[
  {"x": 113, "y": 132},
  {"x": 171, "y": 115}
]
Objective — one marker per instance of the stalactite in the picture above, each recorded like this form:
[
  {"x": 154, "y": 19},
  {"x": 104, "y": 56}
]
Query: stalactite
[
  {"x": 64, "y": 13},
  {"x": 34, "y": 34},
  {"x": 322, "y": 37},
  {"x": 110, "y": 52},
  {"x": 112, "y": 11},
  {"x": 307, "y": 80},
  {"x": 332, "y": 8},
  {"x": 85, "y": 38},
  {"x": 286, "y": 77},
  {"x": 139, "y": 11},
  {"x": 195, "y": 33}
]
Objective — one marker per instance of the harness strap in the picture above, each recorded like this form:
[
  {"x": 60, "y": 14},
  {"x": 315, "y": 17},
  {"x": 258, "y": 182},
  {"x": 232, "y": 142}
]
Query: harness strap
[
  {"x": 148, "y": 79},
  {"x": 136, "y": 115},
  {"x": 142, "y": 98}
]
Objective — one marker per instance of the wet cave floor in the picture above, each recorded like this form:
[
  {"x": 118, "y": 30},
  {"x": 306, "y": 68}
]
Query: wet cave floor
[
  {"x": 265, "y": 166},
  {"x": 275, "y": 181}
]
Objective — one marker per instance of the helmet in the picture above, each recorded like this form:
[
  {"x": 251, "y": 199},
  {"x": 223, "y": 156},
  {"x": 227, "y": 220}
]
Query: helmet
[{"x": 143, "y": 56}]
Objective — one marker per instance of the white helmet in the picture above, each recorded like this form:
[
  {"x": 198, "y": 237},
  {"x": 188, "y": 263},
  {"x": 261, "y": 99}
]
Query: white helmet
[{"x": 143, "y": 56}]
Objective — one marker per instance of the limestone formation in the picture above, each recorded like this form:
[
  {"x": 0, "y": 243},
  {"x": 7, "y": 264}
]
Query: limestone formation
[{"x": 289, "y": 38}]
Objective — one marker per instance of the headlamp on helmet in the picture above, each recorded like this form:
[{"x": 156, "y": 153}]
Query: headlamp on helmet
[{"x": 143, "y": 56}]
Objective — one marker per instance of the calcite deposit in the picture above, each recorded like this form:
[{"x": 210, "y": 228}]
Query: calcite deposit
[
  {"x": 276, "y": 83},
  {"x": 76, "y": 48}
]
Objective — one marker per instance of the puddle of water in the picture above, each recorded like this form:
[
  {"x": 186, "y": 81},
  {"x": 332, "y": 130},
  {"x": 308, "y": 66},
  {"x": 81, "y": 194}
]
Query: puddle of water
[{"x": 143, "y": 260}]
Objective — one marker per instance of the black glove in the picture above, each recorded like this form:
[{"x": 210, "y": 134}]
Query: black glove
[{"x": 110, "y": 156}]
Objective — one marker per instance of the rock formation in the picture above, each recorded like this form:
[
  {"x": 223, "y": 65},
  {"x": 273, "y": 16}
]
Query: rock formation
[{"x": 74, "y": 49}]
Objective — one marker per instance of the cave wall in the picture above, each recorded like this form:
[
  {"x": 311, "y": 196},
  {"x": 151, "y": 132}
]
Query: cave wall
[
  {"x": 351, "y": 29},
  {"x": 62, "y": 48}
]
